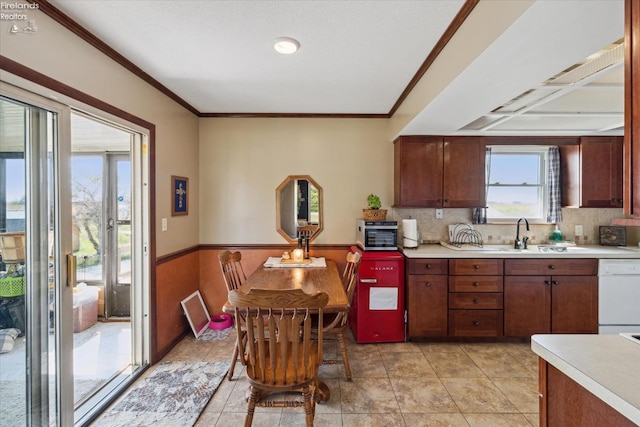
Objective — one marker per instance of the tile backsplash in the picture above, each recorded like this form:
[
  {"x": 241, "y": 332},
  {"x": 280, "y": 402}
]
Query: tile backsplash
[{"x": 432, "y": 230}]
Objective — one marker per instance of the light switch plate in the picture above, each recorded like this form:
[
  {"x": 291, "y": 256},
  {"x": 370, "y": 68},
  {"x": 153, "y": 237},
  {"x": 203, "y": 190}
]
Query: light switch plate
[
  {"x": 164, "y": 224},
  {"x": 578, "y": 230}
]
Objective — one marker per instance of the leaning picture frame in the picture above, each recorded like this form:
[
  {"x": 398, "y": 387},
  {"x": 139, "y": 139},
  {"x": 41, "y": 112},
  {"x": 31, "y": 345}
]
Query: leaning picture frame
[
  {"x": 196, "y": 312},
  {"x": 179, "y": 195}
]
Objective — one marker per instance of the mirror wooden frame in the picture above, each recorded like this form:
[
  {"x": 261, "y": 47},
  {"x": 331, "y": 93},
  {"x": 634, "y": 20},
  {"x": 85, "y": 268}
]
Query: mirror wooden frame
[{"x": 279, "y": 190}]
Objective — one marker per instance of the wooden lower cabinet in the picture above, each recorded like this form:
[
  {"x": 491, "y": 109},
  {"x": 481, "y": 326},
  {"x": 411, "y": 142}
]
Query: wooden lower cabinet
[
  {"x": 426, "y": 305},
  {"x": 561, "y": 303},
  {"x": 475, "y": 323},
  {"x": 475, "y": 297},
  {"x": 472, "y": 297},
  {"x": 565, "y": 403},
  {"x": 527, "y": 306}
]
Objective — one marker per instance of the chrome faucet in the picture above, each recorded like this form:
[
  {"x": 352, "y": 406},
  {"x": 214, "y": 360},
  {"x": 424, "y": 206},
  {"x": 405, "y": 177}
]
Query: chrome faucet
[{"x": 521, "y": 244}]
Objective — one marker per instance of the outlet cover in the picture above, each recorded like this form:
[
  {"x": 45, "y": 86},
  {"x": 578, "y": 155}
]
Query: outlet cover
[
  {"x": 439, "y": 214},
  {"x": 578, "y": 230}
]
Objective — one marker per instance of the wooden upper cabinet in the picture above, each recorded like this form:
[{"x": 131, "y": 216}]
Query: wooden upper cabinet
[
  {"x": 437, "y": 172},
  {"x": 418, "y": 171},
  {"x": 464, "y": 173},
  {"x": 592, "y": 173},
  {"x": 601, "y": 172}
]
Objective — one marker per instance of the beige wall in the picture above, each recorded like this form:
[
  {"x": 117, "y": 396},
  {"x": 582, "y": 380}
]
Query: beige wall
[
  {"x": 242, "y": 161},
  {"x": 59, "y": 54}
]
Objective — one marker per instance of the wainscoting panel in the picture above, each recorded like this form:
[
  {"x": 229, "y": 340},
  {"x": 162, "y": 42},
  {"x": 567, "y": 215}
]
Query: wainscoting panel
[{"x": 176, "y": 278}]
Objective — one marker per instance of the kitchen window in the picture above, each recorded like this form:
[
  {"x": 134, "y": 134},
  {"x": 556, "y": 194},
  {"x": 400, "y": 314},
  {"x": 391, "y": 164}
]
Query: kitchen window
[{"x": 517, "y": 184}]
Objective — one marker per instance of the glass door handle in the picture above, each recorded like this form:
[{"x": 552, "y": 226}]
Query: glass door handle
[
  {"x": 71, "y": 270},
  {"x": 110, "y": 224}
]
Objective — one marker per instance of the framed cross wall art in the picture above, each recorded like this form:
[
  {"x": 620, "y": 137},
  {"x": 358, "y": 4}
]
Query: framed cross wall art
[{"x": 179, "y": 196}]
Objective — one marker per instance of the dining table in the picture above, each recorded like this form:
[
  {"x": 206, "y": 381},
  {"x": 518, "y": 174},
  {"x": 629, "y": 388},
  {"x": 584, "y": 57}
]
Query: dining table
[
  {"x": 320, "y": 275},
  {"x": 310, "y": 279}
]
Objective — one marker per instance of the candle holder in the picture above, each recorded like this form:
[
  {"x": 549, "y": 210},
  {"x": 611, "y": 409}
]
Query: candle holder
[{"x": 297, "y": 255}]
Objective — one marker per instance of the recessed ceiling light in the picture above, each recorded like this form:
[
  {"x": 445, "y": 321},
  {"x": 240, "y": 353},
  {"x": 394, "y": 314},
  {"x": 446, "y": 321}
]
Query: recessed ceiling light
[{"x": 286, "y": 45}]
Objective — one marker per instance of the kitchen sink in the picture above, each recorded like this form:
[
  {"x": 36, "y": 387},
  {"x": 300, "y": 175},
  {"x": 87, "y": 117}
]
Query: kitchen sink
[{"x": 531, "y": 249}]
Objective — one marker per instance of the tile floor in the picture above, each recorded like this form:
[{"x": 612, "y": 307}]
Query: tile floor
[{"x": 395, "y": 384}]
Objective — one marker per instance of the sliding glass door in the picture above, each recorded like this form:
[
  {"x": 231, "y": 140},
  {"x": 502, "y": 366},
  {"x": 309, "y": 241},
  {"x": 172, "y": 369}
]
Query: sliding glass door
[
  {"x": 74, "y": 262},
  {"x": 35, "y": 243}
]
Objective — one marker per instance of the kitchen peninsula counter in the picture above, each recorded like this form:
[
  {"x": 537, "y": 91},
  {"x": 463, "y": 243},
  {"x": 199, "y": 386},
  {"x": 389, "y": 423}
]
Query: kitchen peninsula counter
[
  {"x": 504, "y": 251},
  {"x": 606, "y": 366}
]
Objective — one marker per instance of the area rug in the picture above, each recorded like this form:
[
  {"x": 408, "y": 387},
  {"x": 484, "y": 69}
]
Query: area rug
[
  {"x": 213, "y": 334},
  {"x": 174, "y": 394}
]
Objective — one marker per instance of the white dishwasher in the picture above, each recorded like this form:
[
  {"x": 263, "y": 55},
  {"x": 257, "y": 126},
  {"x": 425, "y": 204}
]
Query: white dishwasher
[{"x": 618, "y": 296}]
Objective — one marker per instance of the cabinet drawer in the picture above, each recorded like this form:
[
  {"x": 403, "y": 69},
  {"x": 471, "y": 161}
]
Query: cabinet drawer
[
  {"x": 475, "y": 301},
  {"x": 475, "y": 283},
  {"x": 427, "y": 266},
  {"x": 475, "y": 323},
  {"x": 551, "y": 266},
  {"x": 476, "y": 267}
]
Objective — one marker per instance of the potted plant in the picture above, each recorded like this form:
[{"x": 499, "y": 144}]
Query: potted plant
[{"x": 373, "y": 212}]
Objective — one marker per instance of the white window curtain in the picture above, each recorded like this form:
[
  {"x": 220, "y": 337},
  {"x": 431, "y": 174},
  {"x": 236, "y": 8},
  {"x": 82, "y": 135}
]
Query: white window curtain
[{"x": 554, "y": 210}]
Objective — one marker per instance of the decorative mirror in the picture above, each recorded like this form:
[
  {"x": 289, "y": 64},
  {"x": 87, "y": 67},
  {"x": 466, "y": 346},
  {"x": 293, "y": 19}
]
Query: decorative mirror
[{"x": 298, "y": 208}]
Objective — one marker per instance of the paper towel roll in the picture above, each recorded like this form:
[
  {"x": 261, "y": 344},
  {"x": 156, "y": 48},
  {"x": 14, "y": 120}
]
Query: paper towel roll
[{"x": 410, "y": 233}]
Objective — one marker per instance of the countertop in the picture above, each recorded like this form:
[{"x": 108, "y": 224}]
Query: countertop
[
  {"x": 606, "y": 365},
  {"x": 506, "y": 251}
]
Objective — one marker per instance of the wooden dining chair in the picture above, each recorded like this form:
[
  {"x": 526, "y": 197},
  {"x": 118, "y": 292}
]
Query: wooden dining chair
[
  {"x": 335, "y": 324},
  {"x": 282, "y": 354},
  {"x": 234, "y": 277}
]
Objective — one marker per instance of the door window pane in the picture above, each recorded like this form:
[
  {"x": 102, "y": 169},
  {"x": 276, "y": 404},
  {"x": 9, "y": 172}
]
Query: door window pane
[
  {"x": 87, "y": 208},
  {"x": 15, "y": 196}
]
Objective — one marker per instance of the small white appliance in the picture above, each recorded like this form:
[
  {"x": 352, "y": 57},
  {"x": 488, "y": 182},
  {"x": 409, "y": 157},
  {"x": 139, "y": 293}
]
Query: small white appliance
[
  {"x": 619, "y": 296},
  {"x": 377, "y": 235}
]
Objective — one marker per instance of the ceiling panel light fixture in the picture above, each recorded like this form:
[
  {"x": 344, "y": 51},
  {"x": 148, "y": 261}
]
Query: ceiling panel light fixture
[{"x": 286, "y": 45}]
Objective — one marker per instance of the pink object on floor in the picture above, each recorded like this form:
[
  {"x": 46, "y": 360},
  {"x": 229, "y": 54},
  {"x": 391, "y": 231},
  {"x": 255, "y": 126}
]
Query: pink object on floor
[{"x": 221, "y": 321}]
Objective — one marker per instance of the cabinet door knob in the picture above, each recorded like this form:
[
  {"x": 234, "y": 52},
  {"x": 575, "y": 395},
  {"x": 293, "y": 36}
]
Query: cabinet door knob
[
  {"x": 547, "y": 282},
  {"x": 555, "y": 282},
  {"x": 552, "y": 267},
  {"x": 476, "y": 323},
  {"x": 476, "y": 267},
  {"x": 427, "y": 284},
  {"x": 476, "y": 283},
  {"x": 428, "y": 266},
  {"x": 475, "y": 300}
]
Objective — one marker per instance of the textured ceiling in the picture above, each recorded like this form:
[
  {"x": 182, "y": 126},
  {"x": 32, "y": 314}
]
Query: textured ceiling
[{"x": 355, "y": 56}]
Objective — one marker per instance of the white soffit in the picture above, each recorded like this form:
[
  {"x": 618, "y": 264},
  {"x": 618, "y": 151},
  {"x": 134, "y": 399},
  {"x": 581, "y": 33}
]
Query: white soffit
[{"x": 548, "y": 38}]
